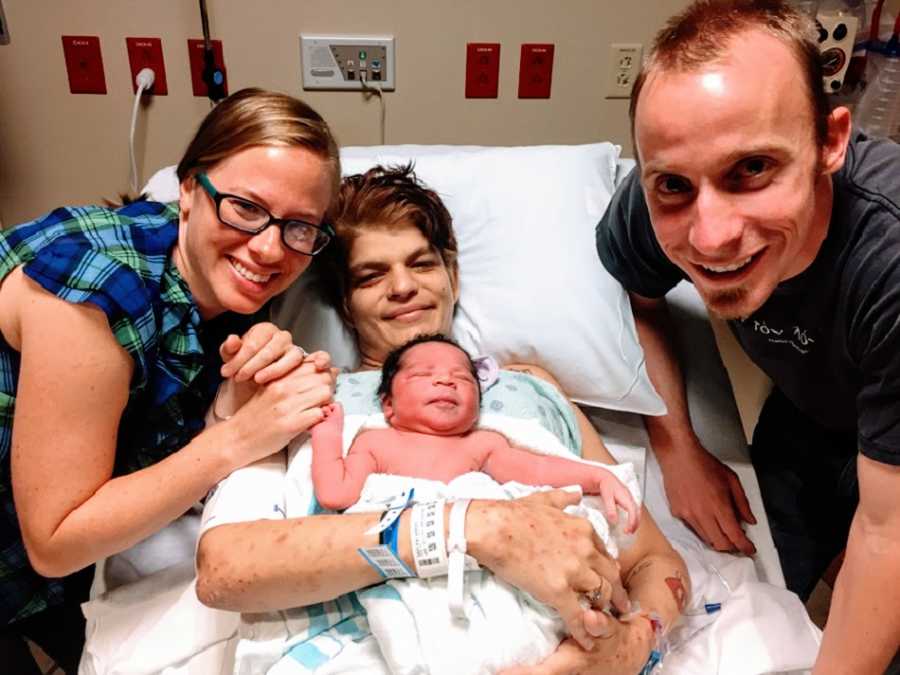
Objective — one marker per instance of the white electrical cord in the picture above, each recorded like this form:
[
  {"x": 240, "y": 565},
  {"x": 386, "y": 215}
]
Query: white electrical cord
[
  {"x": 144, "y": 80},
  {"x": 370, "y": 90}
]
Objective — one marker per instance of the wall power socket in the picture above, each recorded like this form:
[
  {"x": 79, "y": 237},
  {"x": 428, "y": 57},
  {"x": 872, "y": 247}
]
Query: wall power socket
[{"x": 624, "y": 66}]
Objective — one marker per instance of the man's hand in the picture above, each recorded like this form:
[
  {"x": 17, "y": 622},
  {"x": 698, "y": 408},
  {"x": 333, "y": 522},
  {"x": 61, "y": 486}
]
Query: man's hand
[{"x": 708, "y": 497}]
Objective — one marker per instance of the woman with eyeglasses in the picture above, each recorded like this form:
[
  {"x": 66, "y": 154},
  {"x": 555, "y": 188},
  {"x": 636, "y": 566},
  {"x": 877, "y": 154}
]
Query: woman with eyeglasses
[{"x": 113, "y": 328}]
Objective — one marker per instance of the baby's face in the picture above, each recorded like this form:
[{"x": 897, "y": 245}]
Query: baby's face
[{"x": 433, "y": 392}]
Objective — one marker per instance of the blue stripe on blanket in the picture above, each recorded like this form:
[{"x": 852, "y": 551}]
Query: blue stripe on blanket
[
  {"x": 308, "y": 655},
  {"x": 382, "y": 592}
]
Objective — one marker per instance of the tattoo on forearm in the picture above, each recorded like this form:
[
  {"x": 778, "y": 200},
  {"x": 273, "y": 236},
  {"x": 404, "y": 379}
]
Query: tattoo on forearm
[{"x": 676, "y": 586}]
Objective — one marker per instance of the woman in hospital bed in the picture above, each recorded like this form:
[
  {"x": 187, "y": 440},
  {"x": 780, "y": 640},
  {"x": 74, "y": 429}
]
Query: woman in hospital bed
[
  {"x": 111, "y": 323},
  {"x": 394, "y": 276}
]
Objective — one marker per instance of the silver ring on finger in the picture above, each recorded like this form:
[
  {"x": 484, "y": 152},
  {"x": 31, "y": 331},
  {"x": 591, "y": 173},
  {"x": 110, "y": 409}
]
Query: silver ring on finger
[
  {"x": 303, "y": 352},
  {"x": 599, "y": 597}
]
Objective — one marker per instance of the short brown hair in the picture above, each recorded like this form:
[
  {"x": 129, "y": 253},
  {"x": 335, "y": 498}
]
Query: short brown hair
[
  {"x": 252, "y": 117},
  {"x": 703, "y": 33},
  {"x": 381, "y": 198}
]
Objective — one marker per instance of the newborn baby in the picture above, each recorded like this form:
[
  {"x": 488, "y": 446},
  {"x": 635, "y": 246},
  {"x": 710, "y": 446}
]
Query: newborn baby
[{"x": 430, "y": 398}]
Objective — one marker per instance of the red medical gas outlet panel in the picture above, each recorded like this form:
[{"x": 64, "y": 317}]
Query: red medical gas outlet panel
[
  {"x": 84, "y": 64},
  {"x": 482, "y": 69},
  {"x": 535, "y": 70}
]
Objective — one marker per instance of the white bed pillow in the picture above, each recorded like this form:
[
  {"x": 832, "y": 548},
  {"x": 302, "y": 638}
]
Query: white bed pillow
[{"x": 532, "y": 289}]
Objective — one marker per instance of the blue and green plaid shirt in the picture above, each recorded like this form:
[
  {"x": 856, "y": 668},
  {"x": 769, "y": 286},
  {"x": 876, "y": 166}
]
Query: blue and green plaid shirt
[{"x": 120, "y": 261}]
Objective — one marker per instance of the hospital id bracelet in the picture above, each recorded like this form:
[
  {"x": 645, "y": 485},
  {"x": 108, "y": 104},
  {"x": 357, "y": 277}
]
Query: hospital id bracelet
[
  {"x": 426, "y": 534},
  {"x": 459, "y": 562},
  {"x": 385, "y": 558}
]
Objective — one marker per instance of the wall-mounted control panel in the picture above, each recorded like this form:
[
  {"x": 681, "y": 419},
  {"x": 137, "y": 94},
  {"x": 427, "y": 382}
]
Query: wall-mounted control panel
[
  {"x": 342, "y": 61},
  {"x": 836, "y": 35}
]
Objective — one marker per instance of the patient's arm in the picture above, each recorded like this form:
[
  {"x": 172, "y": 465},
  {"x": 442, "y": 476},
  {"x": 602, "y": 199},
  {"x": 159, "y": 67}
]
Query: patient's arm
[
  {"x": 702, "y": 491},
  {"x": 653, "y": 572},
  {"x": 865, "y": 609},
  {"x": 275, "y": 564},
  {"x": 506, "y": 462},
  {"x": 338, "y": 481}
]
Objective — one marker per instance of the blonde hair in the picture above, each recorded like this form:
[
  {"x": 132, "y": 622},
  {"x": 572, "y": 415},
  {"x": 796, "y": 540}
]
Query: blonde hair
[{"x": 253, "y": 117}]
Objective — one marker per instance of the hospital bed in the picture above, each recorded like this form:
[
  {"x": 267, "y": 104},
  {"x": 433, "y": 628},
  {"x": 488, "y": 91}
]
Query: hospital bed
[{"x": 145, "y": 618}]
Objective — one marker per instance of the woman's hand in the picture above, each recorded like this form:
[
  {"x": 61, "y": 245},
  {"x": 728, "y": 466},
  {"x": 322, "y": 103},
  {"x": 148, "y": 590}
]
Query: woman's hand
[
  {"x": 533, "y": 545},
  {"x": 624, "y": 652},
  {"x": 280, "y": 410},
  {"x": 264, "y": 353}
]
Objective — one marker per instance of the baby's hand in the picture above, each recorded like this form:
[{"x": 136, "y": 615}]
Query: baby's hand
[
  {"x": 614, "y": 495},
  {"x": 332, "y": 420}
]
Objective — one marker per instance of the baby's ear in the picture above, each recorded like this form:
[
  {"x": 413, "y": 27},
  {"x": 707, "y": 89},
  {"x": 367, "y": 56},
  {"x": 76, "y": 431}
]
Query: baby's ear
[{"x": 387, "y": 407}]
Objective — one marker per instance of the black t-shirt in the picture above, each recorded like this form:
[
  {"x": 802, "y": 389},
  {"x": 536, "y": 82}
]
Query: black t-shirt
[{"x": 830, "y": 337}]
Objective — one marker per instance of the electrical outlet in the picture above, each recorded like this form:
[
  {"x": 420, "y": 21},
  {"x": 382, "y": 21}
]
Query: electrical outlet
[
  {"x": 482, "y": 69},
  {"x": 624, "y": 66},
  {"x": 535, "y": 70},
  {"x": 147, "y": 53},
  {"x": 196, "y": 52},
  {"x": 84, "y": 64}
]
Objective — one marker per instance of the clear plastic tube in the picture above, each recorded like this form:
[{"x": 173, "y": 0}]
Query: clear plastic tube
[{"x": 879, "y": 110}]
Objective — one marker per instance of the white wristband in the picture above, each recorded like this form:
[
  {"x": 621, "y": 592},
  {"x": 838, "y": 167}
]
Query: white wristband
[
  {"x": 458, "y": 561},
  {"x": 426, "y": 527}
]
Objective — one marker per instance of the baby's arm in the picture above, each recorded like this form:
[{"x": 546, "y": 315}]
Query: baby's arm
[
  {"x": 506, "y": 462},
  {"x": 338, "y": 481}
]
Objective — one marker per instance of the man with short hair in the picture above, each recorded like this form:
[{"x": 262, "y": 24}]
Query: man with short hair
[{"x": 787, "y": 222}]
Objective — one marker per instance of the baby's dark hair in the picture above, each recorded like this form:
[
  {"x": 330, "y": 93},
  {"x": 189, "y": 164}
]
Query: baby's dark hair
[{"x": 392, "y": 363}]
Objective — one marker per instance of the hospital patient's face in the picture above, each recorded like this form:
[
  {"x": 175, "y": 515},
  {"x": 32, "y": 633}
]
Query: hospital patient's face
[
  {"x": 433, "y": 392},
  {"x": 737, "y": 189},
  {"x": 399, "y": 288},
  {"x": 229, "y": 270}
]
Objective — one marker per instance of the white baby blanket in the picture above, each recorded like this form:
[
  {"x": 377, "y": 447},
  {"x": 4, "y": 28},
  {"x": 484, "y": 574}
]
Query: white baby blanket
[{"x": 410, "y": 619}]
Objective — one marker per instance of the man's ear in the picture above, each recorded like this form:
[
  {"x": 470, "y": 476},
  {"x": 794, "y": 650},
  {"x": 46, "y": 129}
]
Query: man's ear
[{"x": 834, "y": 151}]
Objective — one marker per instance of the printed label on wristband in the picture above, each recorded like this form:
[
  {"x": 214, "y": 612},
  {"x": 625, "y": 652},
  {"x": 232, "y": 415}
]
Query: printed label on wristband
[
  {"x": 388, "y": 565},
  {"x": 394, "y": 509},
  {"x": 427, "y": 538}
]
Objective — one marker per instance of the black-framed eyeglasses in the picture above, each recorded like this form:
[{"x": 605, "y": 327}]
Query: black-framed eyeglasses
[{"x": 251, "y": 218}]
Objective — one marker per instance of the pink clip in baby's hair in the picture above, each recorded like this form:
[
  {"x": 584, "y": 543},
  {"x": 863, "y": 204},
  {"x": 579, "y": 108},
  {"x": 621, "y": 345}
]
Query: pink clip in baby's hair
[{"x": 488, "y": 371}]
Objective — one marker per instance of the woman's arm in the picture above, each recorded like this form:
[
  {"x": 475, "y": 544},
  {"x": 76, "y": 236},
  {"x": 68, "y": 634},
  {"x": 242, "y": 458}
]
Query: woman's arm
[{"x": 72, "y": 390}]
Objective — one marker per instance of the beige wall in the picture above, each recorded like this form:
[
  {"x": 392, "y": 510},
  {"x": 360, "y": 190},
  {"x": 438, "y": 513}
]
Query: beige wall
[{"x": 57, "y": 147}]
